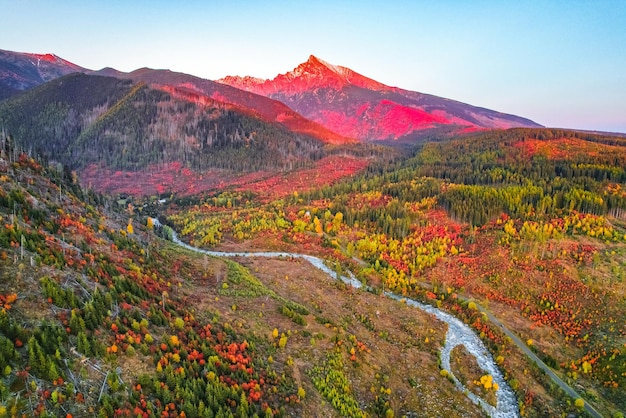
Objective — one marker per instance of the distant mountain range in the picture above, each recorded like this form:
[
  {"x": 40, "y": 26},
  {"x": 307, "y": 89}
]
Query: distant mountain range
[{"x": 329, "y": 102}]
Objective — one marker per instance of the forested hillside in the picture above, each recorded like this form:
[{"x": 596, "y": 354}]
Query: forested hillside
[
  {"x": 527, "y": 174},
  {"x": 196, "y": 89},
  {"x": 95, "y": 319},
  {"x": 81, "y": 120}
]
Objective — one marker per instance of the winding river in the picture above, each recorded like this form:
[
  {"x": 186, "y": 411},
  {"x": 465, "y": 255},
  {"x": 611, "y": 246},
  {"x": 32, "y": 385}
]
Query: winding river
[{"x": 458, "y": 333}]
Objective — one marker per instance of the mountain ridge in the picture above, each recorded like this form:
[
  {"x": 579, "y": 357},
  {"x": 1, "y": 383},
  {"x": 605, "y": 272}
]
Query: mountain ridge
[
  {"x": 21, "y": 70},
  {"x": 318, "y": 72},
  {"x": 354, "y": 105},
  {"x": 265, "y": 108},
  {"x": 330, "y": 102}
]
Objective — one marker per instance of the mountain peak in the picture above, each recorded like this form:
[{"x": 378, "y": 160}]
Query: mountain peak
[
  {"x": 314, "y": 73},
  {"x": 23, "y": 70},
  {"x": 313, "y": 60},
  {"x": 355, "y": 106},
  {"x": 342, "y": 72},
  {"x": 37, "y": 60},
  {"x": 54, "y": 60}
]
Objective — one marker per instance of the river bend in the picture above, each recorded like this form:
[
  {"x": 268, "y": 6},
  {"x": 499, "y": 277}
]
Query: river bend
[{"x": 458, "y": 333}]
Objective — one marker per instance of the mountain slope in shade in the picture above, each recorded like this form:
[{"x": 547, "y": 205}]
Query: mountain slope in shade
[
  {"x": 123, "y": 124},
  {"x": 21, "y": 71},
  {"x": 353, "y": 105},
  {"x": 194, "y": 89}
]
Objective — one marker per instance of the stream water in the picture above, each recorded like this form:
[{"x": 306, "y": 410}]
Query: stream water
[{"x": 458, "y": 333}]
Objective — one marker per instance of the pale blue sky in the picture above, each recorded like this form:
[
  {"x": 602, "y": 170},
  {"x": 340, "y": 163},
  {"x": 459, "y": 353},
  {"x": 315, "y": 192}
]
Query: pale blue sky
[{"x": 560, "y": 63}]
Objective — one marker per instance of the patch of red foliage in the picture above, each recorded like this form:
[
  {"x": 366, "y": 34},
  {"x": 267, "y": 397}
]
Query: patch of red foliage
[
  {"x": 471, "y": 129},
  {"x": 539, "y": 289},
  {"x": 564, "y": 148},
  {"x": 165, "y": 178},
  {"x": 327, "y": 171},
  {"x": 174, "y": 178},
  {"x": 370, "y": 200}
]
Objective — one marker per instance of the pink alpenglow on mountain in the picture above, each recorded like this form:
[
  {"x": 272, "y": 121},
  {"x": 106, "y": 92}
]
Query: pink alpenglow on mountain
[
  {"x": 20, "y": 70},
  {"x": 355, "y": 106}
]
